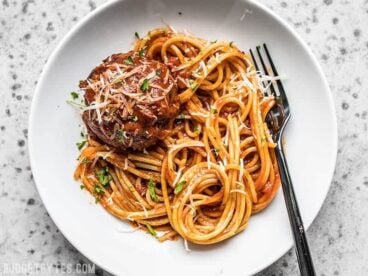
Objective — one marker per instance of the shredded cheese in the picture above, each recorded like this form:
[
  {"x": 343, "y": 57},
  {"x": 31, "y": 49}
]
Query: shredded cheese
[
  {"x": 241, "y": 172},
  {"x": 177, "y": 177},
  {"x": 190, "y": 206},
  {"x": 107, "y": 154},
  {"x": 186, "y": 246},
  {"x": 246, "y": 82},
  {"x": 172, "y": 29},
  {"x": 204, "y": 68},
  {"x": 199, "y": 114},
  {"x": 226, "y": 138},
  {"x": 208, "y": 161},
  {"x": 125, "y": 163},
  {"x": 95, "y": 106},
  {"x": 221, "y": 164},
  {"x": 144, "y": 209}
]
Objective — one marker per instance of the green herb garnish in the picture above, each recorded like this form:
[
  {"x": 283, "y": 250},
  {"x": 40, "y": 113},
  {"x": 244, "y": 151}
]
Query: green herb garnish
[
  {"x": 136, "y": 35},
  {"x": 151, "y": 188},
  {"x": 212, "y": 42},
  {"x": 99, "y": 190},
  {"x": 129, "y": 61},
  {"x": 231, "y": 43},
  {"x": 103, "y": 176},
  {"x": 179, "y": 186},
  {"x": 196, "y": 129},
  {"x": 182, "y": 116},
  {"x": 141, "y": 52},
  {"x": 121, "y": 135},
  {"x": 85, "y": 161},
  {"x": 82, "y": 187},
  {"x": 151, "y": 230},
  {"x": 158, "y": 73},
  {"x": 214, "y": 111},
  {"x": 133, "y": 118},
  {"x": 81, "y": 144},
  {"x": 74, "y": 95},
  {"x": 145, "y": 85},
  {"x": 75, "y": 104},
  {"x": 193, "y": 85}
]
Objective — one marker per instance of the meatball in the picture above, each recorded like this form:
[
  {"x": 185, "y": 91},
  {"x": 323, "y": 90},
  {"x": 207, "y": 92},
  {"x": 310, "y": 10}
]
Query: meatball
[{"x": 131, "y": 101}]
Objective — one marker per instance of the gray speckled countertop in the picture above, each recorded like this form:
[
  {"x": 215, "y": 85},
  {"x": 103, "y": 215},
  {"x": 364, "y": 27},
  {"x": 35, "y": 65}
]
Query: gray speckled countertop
[{"x": 336, "y": 31}]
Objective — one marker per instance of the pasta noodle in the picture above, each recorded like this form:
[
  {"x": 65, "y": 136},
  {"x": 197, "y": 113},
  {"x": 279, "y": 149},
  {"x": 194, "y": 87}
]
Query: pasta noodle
[{"x": 217, "y": 167}]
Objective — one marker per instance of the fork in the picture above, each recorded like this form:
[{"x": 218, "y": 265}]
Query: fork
[{"x": 276, "y": 120}]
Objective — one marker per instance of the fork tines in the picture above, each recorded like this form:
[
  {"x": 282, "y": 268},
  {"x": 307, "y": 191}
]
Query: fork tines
[
  {"x": 269, "y": 69},
  {"x": 278, "y": 116}
]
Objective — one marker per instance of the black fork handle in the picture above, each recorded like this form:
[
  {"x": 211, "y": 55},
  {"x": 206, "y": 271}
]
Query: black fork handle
[{"x": 301, "y": 244}]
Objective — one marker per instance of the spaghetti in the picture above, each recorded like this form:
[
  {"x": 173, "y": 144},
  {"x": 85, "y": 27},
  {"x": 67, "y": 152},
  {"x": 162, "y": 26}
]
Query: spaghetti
[{"x": 217, "y": 166}]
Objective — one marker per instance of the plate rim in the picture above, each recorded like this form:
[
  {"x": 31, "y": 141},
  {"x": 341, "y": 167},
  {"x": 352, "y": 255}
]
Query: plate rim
[{"x": 104, "y": 6}]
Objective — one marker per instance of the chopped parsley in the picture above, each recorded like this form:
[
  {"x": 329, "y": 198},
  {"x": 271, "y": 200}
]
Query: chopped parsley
[
  {"x": 82, "y": 187},
  {"x": 129, "y": 61},
  {"x": 76, "y": 104},
  {"x": 231, "y": 43},
  {"x": 136, "y": 35},
  {"x": 182, "y": 116},
  {"x": 74, "y": 95},
  {"x": 158, "y": 73},
  {"x": 145, "y": 85},
  {"x": 81, "y": 144},
  {"x": 121, "y": 135},
  {"x": 103, "y": 176},
  {"x": 141, "y": 52},
  {"x": 151, "y": 189},
  {"x": 212, "y": 42},
  {"x": 133, "y": 118},
  {"x": 179, "y": 186},
  {"x": 193, "y": 85},
  {"x": 85, "y": 160},
  {"x": 214, "y": 110},
  {"x": 99, "y": 190},
  {"x": 151, "y": 230}
]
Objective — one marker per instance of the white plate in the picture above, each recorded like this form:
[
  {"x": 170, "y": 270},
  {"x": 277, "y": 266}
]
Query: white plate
[{"x": 311, "y": 137}]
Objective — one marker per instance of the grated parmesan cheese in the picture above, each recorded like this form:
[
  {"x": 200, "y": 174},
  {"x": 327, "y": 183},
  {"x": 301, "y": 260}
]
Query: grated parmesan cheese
[
  {"x": 125, "y": 163},
  {"x": 144, "y": 209},
  {"x": 186, "y": 246},
  {"x": 241, "y": 172},
  {"x": 178, "y": 175},
  {"x": 204, "y": 68},
  {"x": 208, "y": 162}
]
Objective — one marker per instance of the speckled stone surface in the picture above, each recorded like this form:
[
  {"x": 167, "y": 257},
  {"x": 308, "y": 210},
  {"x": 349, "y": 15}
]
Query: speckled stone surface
[{"x": 336, "y": 31}]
